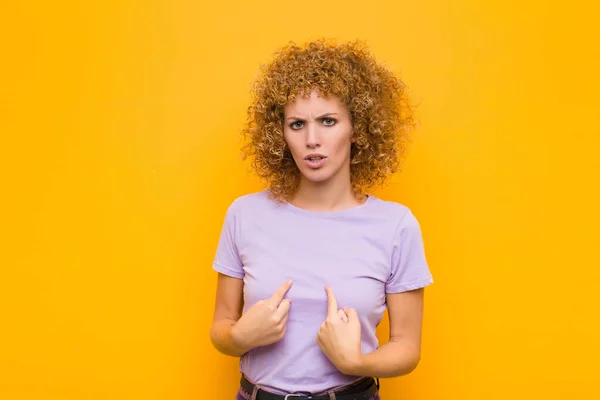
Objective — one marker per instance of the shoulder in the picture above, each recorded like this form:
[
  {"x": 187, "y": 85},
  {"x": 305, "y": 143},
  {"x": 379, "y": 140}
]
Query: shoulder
[
  {"x": 399, "y": 217},
  {"x": 392, "y": 211},
  {"x": 251, "y": 202}
]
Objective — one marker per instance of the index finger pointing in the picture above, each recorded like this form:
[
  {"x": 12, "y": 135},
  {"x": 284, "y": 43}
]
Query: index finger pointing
[
  {"x": 281, "y": 291},
  {"x": 332, "y": 306}
]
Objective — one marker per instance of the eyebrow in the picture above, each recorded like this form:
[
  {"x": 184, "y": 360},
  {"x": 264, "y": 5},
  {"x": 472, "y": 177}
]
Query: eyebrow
[{"x": 320, "y": 116}]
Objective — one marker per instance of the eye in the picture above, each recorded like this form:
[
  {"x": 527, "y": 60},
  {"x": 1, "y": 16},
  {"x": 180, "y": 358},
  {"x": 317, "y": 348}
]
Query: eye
[
  {"x": 329, "y": 121},
  {"x": 296, "y": 125}
]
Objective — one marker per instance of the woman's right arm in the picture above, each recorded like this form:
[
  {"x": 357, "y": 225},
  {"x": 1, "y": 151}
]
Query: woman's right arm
[
  {"x": 264, "y": 323},
  {"x": 228, "y": 310}
]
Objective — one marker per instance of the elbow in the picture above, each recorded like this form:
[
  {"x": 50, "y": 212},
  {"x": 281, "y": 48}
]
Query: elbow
[
  {"x": 217, "y": 338},
  {"x": 214, "y": 338},
  {"x": 414, "y": 362},
  {"x": 408, "y": 360},
  {"x": 406, "y": 366},
  {"x": 220, "y": 338}
]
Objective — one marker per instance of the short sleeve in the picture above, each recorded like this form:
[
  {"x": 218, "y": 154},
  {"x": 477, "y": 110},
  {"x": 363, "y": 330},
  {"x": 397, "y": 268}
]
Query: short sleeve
[
  {"x": 409, "y": 265},
  {"x": 227, "y": 259}
]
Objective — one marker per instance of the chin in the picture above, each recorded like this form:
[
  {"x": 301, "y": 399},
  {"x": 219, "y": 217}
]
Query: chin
[{"x": 316, "y": 176}]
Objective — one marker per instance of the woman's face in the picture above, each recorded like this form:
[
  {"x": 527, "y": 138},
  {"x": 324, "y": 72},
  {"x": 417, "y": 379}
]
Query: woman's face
[{"x": 318, "y": 132}]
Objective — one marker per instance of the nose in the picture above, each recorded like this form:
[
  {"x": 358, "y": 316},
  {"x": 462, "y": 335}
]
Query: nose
[{"x": 313, "y": 139}]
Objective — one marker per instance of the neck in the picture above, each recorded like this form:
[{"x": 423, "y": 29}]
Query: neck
[{"x": 332, "y": 195}]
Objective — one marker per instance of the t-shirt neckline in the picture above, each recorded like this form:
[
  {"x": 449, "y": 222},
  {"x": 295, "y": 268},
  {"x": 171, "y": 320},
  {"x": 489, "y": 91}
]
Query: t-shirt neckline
[{"x": 330, "y": 214}]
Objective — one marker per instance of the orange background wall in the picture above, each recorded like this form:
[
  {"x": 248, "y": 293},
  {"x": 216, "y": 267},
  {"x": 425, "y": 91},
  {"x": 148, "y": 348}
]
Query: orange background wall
[{"x": 120, "y": 121}]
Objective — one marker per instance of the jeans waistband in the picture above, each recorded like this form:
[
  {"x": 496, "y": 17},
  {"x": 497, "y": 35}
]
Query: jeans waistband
[{"x": 363, "y": 389}]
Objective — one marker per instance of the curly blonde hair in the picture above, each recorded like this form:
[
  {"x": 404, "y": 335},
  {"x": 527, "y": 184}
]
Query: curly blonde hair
[{"x": 376, "y": 100}]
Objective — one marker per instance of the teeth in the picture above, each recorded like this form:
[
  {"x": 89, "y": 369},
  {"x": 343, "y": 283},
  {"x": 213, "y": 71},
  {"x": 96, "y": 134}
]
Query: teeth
[{"x": 315, "y": 159}]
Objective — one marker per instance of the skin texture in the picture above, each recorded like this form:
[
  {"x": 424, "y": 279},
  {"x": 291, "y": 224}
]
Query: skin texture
[
  {"x": 318, "y": 124},
  {"x": 339, "y": 335},
  {"x": 265, "y": 322}
]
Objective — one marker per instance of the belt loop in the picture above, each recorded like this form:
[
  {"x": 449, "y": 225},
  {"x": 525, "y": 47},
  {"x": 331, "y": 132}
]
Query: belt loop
[
  {"x": 332, "y": 395},
  {"x": 255, "y": 392}
]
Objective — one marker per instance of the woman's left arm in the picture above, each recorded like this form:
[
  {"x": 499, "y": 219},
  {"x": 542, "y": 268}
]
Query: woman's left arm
[{"x": 402, "y": 353}]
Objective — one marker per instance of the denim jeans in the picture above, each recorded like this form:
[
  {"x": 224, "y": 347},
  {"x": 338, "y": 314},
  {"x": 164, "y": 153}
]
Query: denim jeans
[{"x": 243, "y": 395}]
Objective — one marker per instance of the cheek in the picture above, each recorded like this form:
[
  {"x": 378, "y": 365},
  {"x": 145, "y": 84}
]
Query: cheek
[
  {"x": 294, "y": 149},
  {"x": 289, "y": 142},
  {"x": 343, "y": 145}
]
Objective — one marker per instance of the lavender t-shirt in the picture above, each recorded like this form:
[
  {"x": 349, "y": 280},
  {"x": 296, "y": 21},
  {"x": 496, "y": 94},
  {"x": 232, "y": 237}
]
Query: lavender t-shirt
[{"x": 363, "y": 253}]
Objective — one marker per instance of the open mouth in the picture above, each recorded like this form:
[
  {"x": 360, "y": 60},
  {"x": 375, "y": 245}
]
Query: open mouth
[{"x": 315, "y": 160}]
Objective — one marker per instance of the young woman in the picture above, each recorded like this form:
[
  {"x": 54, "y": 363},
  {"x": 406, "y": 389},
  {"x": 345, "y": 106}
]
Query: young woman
[{"x": 308, "y": 266}]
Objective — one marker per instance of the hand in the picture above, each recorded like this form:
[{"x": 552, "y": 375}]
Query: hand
[
  {"x": 264, "y": 323},
  {"x": 339, "y": 336}
]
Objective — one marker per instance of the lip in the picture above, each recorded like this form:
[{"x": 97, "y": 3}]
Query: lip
[
  {"x": 317, "y": 164},
  {"x": 314, "y": 155}
]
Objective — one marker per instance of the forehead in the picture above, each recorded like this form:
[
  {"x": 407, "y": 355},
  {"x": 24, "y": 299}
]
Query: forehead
[{"x": 315, "y": 103}]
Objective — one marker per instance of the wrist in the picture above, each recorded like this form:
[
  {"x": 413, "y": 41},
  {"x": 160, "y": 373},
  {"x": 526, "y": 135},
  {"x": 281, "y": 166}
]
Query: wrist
[
  {"x": 355, "y": 365},
  {"x": 237, "y": 339}
]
